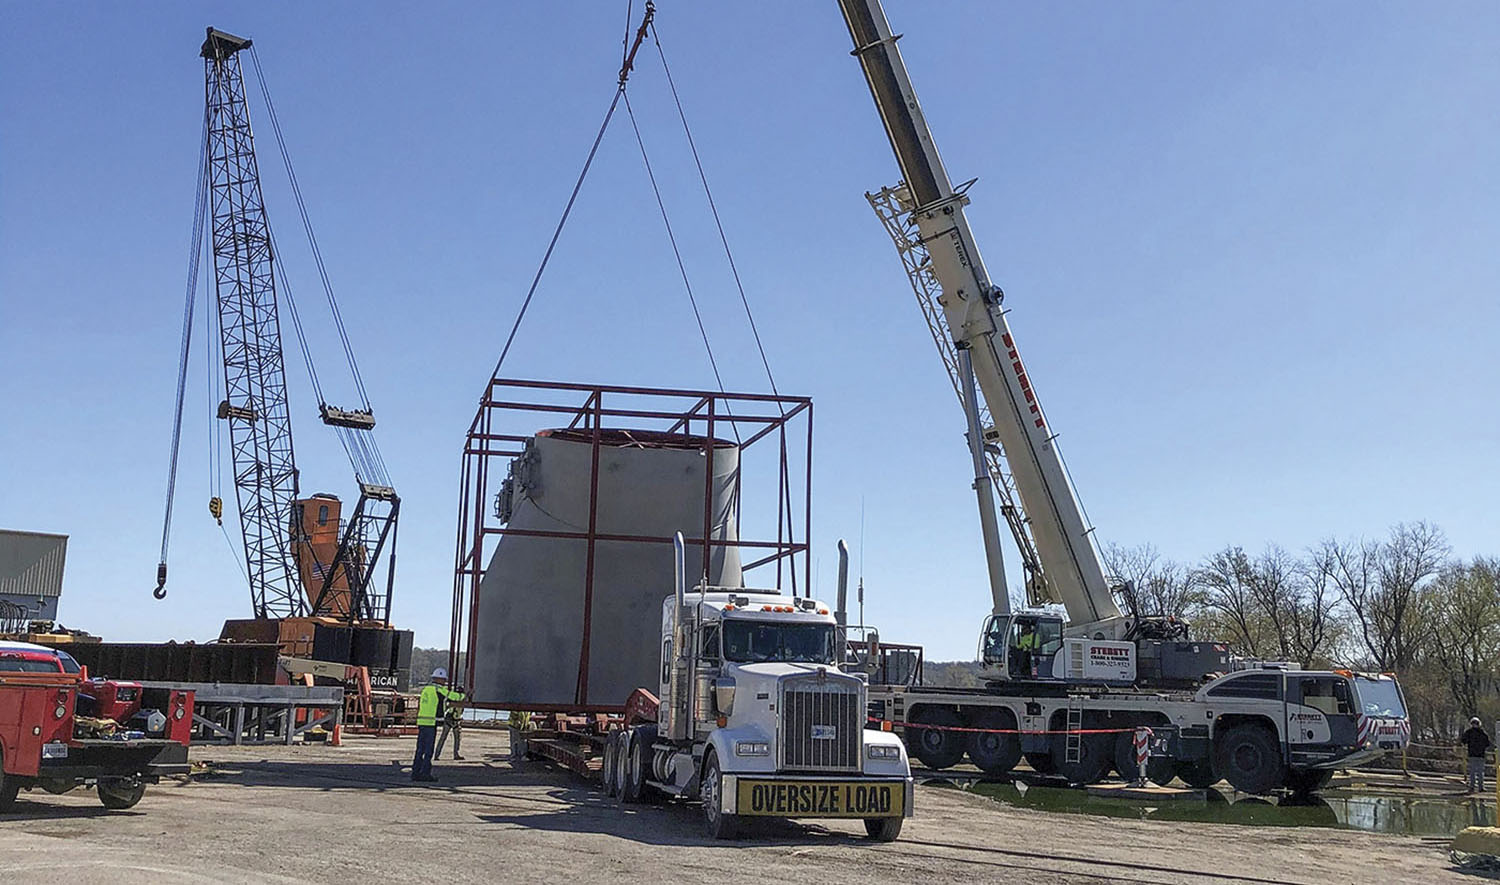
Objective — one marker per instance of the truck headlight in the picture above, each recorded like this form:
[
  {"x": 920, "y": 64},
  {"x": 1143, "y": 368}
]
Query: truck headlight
[
  {"x": 752, "y": 748},
  {"x": 883, "y": 751}
]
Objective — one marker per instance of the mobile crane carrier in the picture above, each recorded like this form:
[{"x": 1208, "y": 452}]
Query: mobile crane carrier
[{"x": 1068, "y": 695}]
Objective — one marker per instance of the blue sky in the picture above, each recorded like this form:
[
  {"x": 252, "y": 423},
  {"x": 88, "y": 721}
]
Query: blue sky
[{"x": 1249, "y": 249}]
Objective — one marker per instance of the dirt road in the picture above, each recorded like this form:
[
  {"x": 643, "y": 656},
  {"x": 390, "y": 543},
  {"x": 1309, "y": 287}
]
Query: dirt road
[{"x": 323, "y": 814}]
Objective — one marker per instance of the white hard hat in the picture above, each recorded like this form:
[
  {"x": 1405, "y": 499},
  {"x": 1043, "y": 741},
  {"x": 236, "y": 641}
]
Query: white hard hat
[
  {"x": 440, "y": 673},
  {"x": 1474, "y": 721}
]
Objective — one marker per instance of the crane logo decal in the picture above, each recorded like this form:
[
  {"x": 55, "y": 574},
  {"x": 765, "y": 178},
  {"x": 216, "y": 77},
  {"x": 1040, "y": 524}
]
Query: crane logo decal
[{"x": 1015, "y": 364}]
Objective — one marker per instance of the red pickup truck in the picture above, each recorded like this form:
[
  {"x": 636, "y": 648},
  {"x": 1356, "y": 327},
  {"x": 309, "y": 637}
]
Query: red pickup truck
[{"x": 41, "y": 692}]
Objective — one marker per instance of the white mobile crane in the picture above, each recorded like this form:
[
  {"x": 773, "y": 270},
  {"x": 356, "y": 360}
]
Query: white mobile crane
[{"x": 1067, "y": 694}]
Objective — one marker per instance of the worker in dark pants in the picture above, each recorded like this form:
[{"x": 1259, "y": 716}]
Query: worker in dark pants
[
  {"x": 1477, "y": 742},
  {"x": 430, "y": 708},
  {"x": 453, "y": 723}
]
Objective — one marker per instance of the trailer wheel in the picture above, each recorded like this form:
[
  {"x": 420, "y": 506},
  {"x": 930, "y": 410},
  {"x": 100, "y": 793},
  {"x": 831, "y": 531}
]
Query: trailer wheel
[
  {"x": 121, "y": 793},
  {"x": 1306, "y": 781},
  {"x": 995, "y": 754},
  {"x": 1041, "y": 763},
  {"x": 935, "y": 747},
  {"x": 1249, "y": 759},
  {"x": 883, "y": 829},
  {"x": 716, "y": 823},
  {"x": 1197, "y": 773},
  {"x": 607, "y": 766}
]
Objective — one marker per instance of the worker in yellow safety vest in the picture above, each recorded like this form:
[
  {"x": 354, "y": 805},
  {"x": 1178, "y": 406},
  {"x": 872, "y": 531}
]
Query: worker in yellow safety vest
[
  {"x": 1025, "y": 648},
  {"x": 430, "y": 708}
]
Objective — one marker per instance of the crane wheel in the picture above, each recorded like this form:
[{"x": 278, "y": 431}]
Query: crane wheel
[
  {"x": 1197, "y": 773},
  {"x": 1306, "y": 781},
  {"x": 1159, "y": 769},
  {"x": 1041, "y": 763},
  {"x": 1095, "y": 756},
  {"x": 1250, "y": 759},
  {"x": 995, "y": 754},
  {"x": 933, "y": 746}
]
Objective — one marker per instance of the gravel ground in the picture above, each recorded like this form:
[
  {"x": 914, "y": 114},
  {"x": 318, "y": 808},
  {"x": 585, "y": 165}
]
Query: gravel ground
[{"x": 324, "y": 814}]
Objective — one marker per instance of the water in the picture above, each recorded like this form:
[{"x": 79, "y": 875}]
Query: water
[{"x": 1426, "y": 816}]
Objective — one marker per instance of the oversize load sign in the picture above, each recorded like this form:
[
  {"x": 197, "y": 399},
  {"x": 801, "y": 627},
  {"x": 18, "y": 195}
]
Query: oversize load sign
[{"x": 821, "y": 799}]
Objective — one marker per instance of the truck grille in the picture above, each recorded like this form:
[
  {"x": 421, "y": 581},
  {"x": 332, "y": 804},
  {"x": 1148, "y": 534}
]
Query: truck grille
[{"x": 821, "y": 725}]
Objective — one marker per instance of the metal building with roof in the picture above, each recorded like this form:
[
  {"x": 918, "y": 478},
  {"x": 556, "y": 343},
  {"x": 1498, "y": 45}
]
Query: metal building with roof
[{"x": 31, "y": 575}]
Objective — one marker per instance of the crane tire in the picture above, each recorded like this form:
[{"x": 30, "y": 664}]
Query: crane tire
[
  {"x": 1306, "y": 781},
  {"x": 994, "y": 754},
  {"x": 1249, "y": 758},
  {"x": 934, "y": 747},
  {"x": 1197, "y": 773}
]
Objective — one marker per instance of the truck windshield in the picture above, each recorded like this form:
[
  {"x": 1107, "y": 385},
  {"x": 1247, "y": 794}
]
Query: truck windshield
[
  {"x": 1379, "y": 697},
  {"x": 758, "y": 641}
]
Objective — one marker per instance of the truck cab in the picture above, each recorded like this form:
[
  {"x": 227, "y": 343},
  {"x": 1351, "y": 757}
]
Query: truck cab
[{"x": 756, "y": 718}]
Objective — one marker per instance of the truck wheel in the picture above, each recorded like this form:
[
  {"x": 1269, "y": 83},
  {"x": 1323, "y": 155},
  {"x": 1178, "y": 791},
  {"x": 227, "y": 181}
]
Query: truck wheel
[
  {"x": 935, "y": 747},
  {"x": 883, "y": 829},
  {"x": 1197, "y": 773},
  {"x": 1094, "y": 758},
  {"x": 1159, "y": 769},
  {"x": 121, "y": 793},
  {"x": 1249, "y": 759},
  {"x": 716, "y": 823},
  {"x": 607, "y": 766},
  {"x": 1306, "y": 781},
  {"x": 633, "y": 781},
  {"x": 1041, "y": 763},
  {"x": 9, "y": 788},
  {"x": 995, "y": 754}
]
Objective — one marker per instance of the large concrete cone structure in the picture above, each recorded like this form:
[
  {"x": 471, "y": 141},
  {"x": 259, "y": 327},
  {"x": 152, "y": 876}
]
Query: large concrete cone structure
[{"x": 530, "y": 621}]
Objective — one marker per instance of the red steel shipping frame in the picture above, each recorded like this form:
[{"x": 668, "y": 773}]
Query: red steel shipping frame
[{"x": 494, "y": 438}]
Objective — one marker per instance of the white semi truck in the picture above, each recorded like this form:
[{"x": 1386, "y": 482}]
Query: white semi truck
[
  {"x": 756, "y": 718},
  {"x": 1066, "y": 693}
]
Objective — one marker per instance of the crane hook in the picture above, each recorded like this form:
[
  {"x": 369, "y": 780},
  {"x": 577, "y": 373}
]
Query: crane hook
[{"x": 161, "y": 581}]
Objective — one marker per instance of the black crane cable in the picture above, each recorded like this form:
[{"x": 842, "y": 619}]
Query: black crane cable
[
  {"x": 676, "y": 253},
  {"x": 626, "y": 64},
  {"x": 714, "y": 208},
  {"x": 200, "y": 209},
  {"x": 312, "y": 239}
]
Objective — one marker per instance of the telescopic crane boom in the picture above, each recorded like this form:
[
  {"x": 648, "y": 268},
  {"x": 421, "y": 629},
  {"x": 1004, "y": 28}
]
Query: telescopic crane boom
[{"x": 971, "y": 312}]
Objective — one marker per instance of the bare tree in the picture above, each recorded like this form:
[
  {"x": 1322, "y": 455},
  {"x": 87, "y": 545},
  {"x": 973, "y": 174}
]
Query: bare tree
[
  {"x": 1381, "y": 584},
  {"x": 1227, "y": 580},
  {"x": 1148, "y": 584},
  {"x": 1464, "y": 605},
  {"x": 1316, "y": 626}
]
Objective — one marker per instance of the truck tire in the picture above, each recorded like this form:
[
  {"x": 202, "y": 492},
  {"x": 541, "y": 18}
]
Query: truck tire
[
  {"x": 1159, "y": 769},
  {"x": 1095, "y": 756},
  {"x": 1250, "y": 759},
  {"x": 995, "y": 754},
  {"x": 935, "y": 747},
  {"x": 1041, "y": 763},
  {"x": 121, "y": 793},
  {"x": 716, "y": 824},
  {"x": 883, "y": 829},
  {"x": 633, "y": 781},
  {"x": 1197, "y": 773},
  {"x": 607, "y": 772},
  {"x": 10, "y": 786},
  {"x": 1306, "y": 781}
]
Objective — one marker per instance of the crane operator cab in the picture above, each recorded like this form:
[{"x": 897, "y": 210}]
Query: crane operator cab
[
  {"x": 1022, "y": 646},
  {"x": 1029, "y": 646}
]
